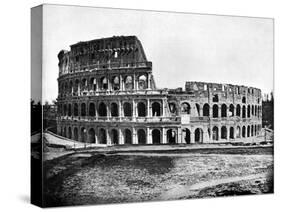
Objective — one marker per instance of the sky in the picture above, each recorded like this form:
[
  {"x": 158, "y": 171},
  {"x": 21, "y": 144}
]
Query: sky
[{"x": 182, "y": 46}]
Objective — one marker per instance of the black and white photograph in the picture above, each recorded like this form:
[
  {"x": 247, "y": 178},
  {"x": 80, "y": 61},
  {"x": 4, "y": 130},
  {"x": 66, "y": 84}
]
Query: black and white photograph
[{"x": 136, "y": 105}]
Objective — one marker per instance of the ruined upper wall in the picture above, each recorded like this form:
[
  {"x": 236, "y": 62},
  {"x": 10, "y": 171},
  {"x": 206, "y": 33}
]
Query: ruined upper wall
[
  {"x": 112, "y": 50},
  {"x": 224, "y": 91}
]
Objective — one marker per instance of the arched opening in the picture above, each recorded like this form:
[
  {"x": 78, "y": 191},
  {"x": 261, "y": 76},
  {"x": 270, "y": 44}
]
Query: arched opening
[
  {"x": 186, "y": 135},
  {"x": 69, "y": 133},
  {"x": 156, "y": 136},
  {"x": 104, "y": 84},
  {"x": 215, "y": 111},
  {"x": 76, "y": 134},
  {"x": 243, "y": 131},
  {"x": 252, "y": 130},
  {"x": 248, "y": 131},
  {"x": 115, "y": 83},
  {"x": 198, "y": 135},
  {"x": 102, "y": 109},
  {"x": 238, "y": 110},
  {"x": 83, "y": 109},
  {"x": 223, "y": 132},
  {"x": 244, "y": 111},
  {"x": 238, "y": 132},
  {"x": 141, "y": 109},
  {"x": 114, "y": 109},
  {"x": 215, "y": 133},
  {"x": 156, "y": 109},
  {"x": 69, "y": 110},
  {"x": 92, "y": 136},
  {"x": 127, "y": 109},
  {"x": 70, "y": 87},
  {"x": 255, "y": 129},
  {"x": 102, "y": 136},
  {"x": 76, "y": 86},
  {"x": 216, "y": 98},
  {"x": 142, "y": 82},
  {"x": 65, "y": 110},
  {"x": 244, "y": 100},
  {"x": 249, "y": 111},
  {"x": 173, "y": 108},
  {"x": 141, "y": 136},
  {"x": 185, "y": 108},
  {"x": 206, "y": 110},
  {"x": 64, "y": 132},
  {"x": 92, "y": 110},
  {"x": 231, "y": 133},
  {"x": 75, "y": 109},
  {"x": 83, "y": 134},
  {"x": 129, "y": 83},
  {"x": 114, "y": 136},
  {"x": 253, "y": 110},
  {"x": 93, "y": 84},
  {"x": 128, "y": 136},
  {"x": 84, "y": 85},
  {"x": 231, "y": 110},
  {"x": 223, "y": 110},
  {"x": 66, "y": 88},
  {"x": 171, "y": 136}
]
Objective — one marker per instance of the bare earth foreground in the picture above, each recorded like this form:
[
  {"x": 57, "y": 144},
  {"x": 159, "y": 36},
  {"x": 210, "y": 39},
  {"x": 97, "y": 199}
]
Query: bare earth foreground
[{"x": 100, "y": 177}]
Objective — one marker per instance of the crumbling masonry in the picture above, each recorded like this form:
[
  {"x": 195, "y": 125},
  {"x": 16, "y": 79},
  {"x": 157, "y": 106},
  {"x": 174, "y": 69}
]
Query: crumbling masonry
[{"x": 107, "y": 95}]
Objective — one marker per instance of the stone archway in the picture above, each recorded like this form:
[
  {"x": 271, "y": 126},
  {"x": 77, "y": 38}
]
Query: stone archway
[
  {"x": 156, "y": 136},
  {"x": 198, "y": 135},
  {"x": 141, "y": 136}
]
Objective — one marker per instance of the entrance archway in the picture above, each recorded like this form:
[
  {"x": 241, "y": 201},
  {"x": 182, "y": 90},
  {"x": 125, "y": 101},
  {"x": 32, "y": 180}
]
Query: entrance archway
[
  {"x": 171, "y": 136},
  {"x": 128, "y": 136},
  {"x": 156, "y": 136},
  {"x": 114, "y": 136},
  {"x": 198, "y": 136},
  {"x": 141, "y": 136},
  {"x": 215, "y": 133},
  {"x": 141, "y": 109},
  {"x": 92, "y": 136}
]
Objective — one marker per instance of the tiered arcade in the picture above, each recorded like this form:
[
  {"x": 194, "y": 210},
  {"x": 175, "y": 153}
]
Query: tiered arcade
[{"x": 107, "y": 95}]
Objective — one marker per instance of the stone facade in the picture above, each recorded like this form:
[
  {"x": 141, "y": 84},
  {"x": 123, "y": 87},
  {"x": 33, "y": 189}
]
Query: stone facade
[{"x": 107, "y": 95}]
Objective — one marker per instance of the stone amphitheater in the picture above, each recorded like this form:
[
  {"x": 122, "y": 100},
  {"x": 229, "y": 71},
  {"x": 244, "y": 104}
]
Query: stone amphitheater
[{"x": 108, "y": 95}]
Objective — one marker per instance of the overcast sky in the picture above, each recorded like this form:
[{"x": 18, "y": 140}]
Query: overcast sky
[{"x": 182, "y": 47}]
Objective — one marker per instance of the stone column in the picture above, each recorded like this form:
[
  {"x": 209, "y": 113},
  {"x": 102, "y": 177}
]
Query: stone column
[
  {"x": 108, "y": 138},
  {"x": 121, "y": 82},
  {"x": 134, "y": 109},
  {"x": 120, "y": 109},
  {"x": 148, "y": 136},
  {"x": 205, "y": 136},
  {"x": 164, "y": 138},
  {"x": 219, "y": 111},
  {"x": 135, "y": 140},
  {"x": 179, "y": 140},
  {"x": 149, "y": 81},
  {"x": 120, "y": 134},
  {"x": 163, "y": 108},
  {"x": 97, "y": 84},
  {"x": 109, "y": 87},
  {"x": 192, "y": 140},
  {"x": 148, "y": 108},
  {"x": 219, "y": 133}
]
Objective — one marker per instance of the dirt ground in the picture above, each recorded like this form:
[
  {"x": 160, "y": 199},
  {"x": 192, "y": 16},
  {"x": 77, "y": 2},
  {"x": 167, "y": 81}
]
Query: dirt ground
[{"x": 98, "y": 178}]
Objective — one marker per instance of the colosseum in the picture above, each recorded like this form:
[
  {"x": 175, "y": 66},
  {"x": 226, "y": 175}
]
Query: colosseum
[{"x": 108, "y": 95}]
